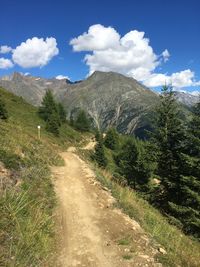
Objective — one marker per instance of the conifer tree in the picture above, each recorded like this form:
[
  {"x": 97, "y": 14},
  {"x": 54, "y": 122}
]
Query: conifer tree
[
  {"x": 62, "y": 113},
  {"x": 112, "y": 139},
  {"x": 99, "y": 154},
  {"x": 82, "y": 123},
  {"x": 134, "y": 165},
  {"x": 52, "y": 124},
  {"x": 3, "y": 111},
  {"x": 169, "y": 138},
  {"x": 178, "y": 164},
  {"x": 48, "y": 106},
  {"x": 189, "y": 210},
  {"x": 98, "y": 136}
]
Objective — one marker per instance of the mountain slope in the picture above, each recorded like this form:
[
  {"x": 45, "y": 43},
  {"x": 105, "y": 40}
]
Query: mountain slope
[
  {"x": 27, "y": 198},
  {"x": 186, "y": 98},
  {"x": 32, "y": 89},
  {"x": 110, "y": 99}
]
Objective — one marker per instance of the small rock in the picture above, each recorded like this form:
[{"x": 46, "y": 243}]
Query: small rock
[
  {"x": 105, "y": 189},
  {"x": 162, "y": 251}
]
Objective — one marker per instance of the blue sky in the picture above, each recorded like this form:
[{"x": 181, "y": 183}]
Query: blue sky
[{"x": 115, "y": 39}]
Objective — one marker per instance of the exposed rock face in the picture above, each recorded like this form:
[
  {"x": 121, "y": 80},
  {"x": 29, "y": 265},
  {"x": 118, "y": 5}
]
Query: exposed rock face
[
  {"x": 186, "y": 98},
  {"x": 32, "y": 89},
  {"x": 109, "y": 98},
  {"x": 112, "y": 99}
]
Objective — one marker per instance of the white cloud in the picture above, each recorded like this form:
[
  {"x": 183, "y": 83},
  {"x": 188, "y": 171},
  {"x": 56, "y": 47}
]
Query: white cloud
[
  {"x": 5, "y": 63},
  {"x": 61, "y": 77},
  {"x": 98, "y": 37},
  {"x": 165, "y": 55},
  {"x": 130, "y": 55},
  {"x": 35, "y": 52},
  {"x": 195, "y": 93},
  {"x": 180, "y": 79},
  {"x": 4, "y": 49}
]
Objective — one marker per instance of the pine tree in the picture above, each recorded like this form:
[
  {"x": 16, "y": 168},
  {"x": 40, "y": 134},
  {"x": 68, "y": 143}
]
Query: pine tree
[
  {"x": 48, "y": 106},
  {"x": 82, "y": 123},
  {"x": 99, "y": 154},
  {"x": 98, "y": 136},
  {"x": 112, "y": 139},
  {"x": 62, "y": 113},
  {"x": 178, "y": 164},
  {"x": 189, "y": 210},
  {"x": 134, "y": 165},
  {"x": 168, "y": 137},
  {"x": 3, "y": 111},
  {"x": 52, "y": 124}
]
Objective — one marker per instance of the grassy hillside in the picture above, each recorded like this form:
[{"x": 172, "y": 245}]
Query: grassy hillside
[{"x": 26, "y": 194}]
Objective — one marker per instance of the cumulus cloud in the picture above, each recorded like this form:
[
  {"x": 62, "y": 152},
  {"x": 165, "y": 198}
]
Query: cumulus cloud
[
  {"x": 98, "y": 37},
  {"x": 35, "y": 52},
  {"x": 180, "y": 79},
  {"x": 130, "y": 55},
  {"x": 61, "y": 77},
  {"x": 4, "y": 49},
  {"x": 195, "y": 93},
  {"x": 5, "y": 63}
]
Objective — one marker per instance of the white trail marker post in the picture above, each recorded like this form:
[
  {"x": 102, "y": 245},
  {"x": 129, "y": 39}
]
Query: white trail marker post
[{"x": 39, "y": 135}]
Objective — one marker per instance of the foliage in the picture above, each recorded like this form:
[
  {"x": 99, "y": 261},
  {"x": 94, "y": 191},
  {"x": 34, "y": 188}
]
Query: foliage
[
  {"x": 181, "y": 249},
  {"x": 99, "y": 153},
  {"x": 177, "y": 166},
  {"x": 52, "y": 112},
  {"x": 82, "y": 123},
  {"x": 62, "y": 113},
  {"x": 48, "y": 106},
  {"x": 111, "y": 140},
  {"x": 52, "y": 124},
  {"x": 3, "y": 111},
  {"x": 133, "y": 163}
]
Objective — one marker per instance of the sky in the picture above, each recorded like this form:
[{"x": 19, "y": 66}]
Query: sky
[{"x": 156, "y": 42}]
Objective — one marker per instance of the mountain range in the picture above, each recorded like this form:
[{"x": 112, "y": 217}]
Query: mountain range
[{"x": 110, "y": 99}]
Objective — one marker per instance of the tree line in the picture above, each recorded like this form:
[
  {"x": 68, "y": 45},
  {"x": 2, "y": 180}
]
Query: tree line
[
  {"x": 54, "y": 114},
  {"x": 166, "y": 168}
]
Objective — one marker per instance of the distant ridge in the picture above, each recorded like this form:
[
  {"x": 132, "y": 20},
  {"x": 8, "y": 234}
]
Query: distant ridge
[{"x": 109, "y": 98}]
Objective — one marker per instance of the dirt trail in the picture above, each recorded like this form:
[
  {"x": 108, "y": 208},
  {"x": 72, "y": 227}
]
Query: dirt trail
[{"x": 92, "y": 231}]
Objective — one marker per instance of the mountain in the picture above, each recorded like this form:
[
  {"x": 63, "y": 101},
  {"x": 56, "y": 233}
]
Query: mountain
[
  {"x": 109, "y": 98},
  {"x": 112, "y": 99},
  {"x": 186, "y": 99},
  {"x": 32, "y": 89}
]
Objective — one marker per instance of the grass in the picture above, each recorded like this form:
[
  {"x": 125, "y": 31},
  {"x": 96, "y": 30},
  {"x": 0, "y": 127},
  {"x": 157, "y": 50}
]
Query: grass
[
  {"x": 181, "y": 249},
  {"x": 124, "y": 241},
  {"x": 127, "y": 257},
  {"x": 27, "y": 208}
]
